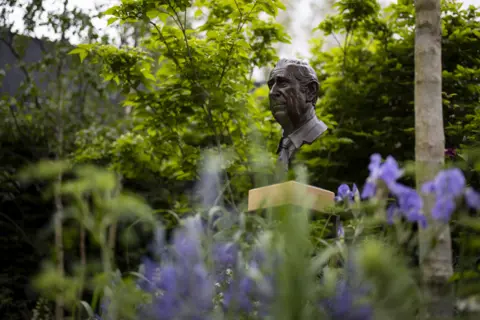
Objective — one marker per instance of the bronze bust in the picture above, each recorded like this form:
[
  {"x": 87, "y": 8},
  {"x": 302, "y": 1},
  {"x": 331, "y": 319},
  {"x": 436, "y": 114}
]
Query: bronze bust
[{"x": 293, "y": 94}]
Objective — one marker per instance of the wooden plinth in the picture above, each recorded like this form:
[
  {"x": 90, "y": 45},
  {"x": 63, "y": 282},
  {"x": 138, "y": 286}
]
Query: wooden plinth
[{"x": 290, "y": 193}]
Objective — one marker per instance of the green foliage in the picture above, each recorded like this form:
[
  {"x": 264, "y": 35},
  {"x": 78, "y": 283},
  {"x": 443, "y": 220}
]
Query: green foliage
[
  {"x": 95, "y": 203},
  {"x": 56, "y": 97},
  {"x": 189, "y": 86},
  {"x": 367, "y": 80}
]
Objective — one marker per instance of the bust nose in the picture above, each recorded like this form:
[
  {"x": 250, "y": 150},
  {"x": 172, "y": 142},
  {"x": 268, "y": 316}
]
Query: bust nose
[{"x": 274, "y": 93}]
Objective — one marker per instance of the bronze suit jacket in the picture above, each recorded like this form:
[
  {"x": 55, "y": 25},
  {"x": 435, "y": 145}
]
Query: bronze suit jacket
[{"x": 306, "y": 134}]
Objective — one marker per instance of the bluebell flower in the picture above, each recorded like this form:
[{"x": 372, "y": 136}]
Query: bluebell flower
[
  {"x": 344, "y": 193},
  {"x": 344, "y": 304},
  {"x": 447, "y": 183},
  {"x": 355, "y": 191},
  {"x": 369, "y": 190},
  {"x": 443, "y": 208},
  {"x": 245, "y": 294},
  {"x": 448, "y": 186},
  {"x": 392, "y": 210},
  {"x": 187, "y": 240},
  {"x": 225, "y": 256},
  {"x": 388, "y": 172},
  {"x": 239, "y": 296},
  {"x": 158, "y": 246},
  {"x": 181, "y": 285},
  {"x": 340, "y": 231},
  {"x": 409, "y": 204},
  {"x": 472, "y": 198}
]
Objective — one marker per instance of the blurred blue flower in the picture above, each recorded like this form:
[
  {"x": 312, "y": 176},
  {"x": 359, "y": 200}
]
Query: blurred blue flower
[
  {"x": 238, "y": 297},
  {"x": 245, "y": 294},
  {"x": 187, "y": 240},
  {"x": 355, "y": 191},
  {"x": 409, "y": 204},
  {"x": 158, "y": 246},
  {"x": 472, "y": 198},
  {"x": 225, "y": 256},
  {"x": 340, "y": 231},
  {"x": 448, "y": 186},
  {"x": 369, "y": 190},
  {"x": 447, "y": 183},
  {"x": 392, "y": 210},
  {"x": 443, "y": 208},
  {"x": 345, "y": 194},
  {"x": 344, "y": 305},
  {"x": 181, "y": 286},
  {"x": 388, "y": 171}
]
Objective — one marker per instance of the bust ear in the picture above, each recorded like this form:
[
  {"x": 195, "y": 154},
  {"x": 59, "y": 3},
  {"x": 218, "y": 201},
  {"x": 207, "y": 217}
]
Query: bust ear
[{"x": 311, "y": 91}]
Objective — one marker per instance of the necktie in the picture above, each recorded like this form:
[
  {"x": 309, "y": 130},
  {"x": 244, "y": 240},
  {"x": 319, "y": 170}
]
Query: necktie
[{"x": 286, "y": 149}]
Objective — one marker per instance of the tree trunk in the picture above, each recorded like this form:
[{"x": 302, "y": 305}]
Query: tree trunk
[{"x": 434, "y": 241}]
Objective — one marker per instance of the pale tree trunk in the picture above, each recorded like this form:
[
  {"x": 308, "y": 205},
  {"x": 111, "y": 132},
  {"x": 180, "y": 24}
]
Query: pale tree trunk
[{"x": 435, "y": 241}]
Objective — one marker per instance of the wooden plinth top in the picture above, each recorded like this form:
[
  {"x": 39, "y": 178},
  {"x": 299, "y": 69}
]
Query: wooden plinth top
[{"x": 290, "y": 193}]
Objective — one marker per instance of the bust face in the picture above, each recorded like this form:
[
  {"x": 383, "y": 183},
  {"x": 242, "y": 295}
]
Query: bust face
[{"x": 288, "y": 99}]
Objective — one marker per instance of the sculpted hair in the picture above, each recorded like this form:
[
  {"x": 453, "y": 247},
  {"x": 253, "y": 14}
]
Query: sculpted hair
[{"x": 304, "y": 73}]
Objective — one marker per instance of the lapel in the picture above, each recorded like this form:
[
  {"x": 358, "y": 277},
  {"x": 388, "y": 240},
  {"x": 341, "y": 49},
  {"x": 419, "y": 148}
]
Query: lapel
[{"x": 307, "y": 133}]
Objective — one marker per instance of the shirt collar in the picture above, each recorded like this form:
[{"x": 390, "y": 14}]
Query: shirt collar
[{"x": 297, "y": 137}]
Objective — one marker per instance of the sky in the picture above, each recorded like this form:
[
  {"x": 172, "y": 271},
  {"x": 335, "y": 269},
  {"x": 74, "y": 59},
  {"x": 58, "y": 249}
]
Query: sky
[{"x": 305, "y": 15}]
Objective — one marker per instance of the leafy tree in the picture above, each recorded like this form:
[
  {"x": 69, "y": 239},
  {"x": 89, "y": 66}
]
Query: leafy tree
[
  {"x": 188, "y": 84},
  {"x": 435, "y": 242},
  {"x": 55, "y": 98},
  {"x": 367, "y": 81}
]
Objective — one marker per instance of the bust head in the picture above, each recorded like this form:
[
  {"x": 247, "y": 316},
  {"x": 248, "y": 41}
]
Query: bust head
[{"x": 293, "y": 93}]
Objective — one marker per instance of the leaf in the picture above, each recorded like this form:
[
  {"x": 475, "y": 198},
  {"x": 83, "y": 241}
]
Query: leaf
[
  {"x": 87, "y": 307},
  {"x": 152, "y": 14},
  {"x": 198, "y": 13},
  {"x": 76, "y": 51},
  {"x": 149, "y": 76},
  {"x": 111, "y": 20},
  {"x": 82, "y": 52}
]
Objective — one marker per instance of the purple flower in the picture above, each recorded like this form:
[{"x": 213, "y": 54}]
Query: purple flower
[
  {"x": 340, "y": 231},
  {"x": 345, "y": 194},
  {"x": 448, "y": 186},
  {"x": 355, "y": 191},
  {"x": 472, "y": 198},
  {"x": 187, "y": 240},
  {"x": 369, "y": 190},
  {"x": 158, "y": 246},
  {"x": 344, "y": 304},
  {"x": 443, "y": 209},
  {"x": 181, "y": 286},
  {"x": 239, "y": 295},
  {"x": 245, "y": 294},
  {"x": 388, "y": 172},
  {"x": 225, "y": 256},
  {"x": 450, "y": 182},
  {"x": 391, "y": 212},
  {"x": 450, "y": 153},
  {"x": 410, "y": 204}
]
